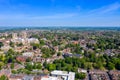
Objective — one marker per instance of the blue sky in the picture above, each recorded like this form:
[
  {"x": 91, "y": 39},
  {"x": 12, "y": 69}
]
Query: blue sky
[{"x": 59, "y": 12}]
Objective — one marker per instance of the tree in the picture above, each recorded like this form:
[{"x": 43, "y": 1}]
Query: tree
[
  {"x": 58, "y": 66},
  {"x": 10, "y": 51},
  {"x": 35, "y": 45},
  {"x": 59, "y": 54},
  {"x": 1, "y": 44},
  {"x": 39, "y": 66},
  {"x": 51, "y": 67},
  {"x": 80, "y": 75},
  {"x": 14, "y": 71},
  {"x": 118, "y": 65},
  {"x": 28, "y": 59},
  {"x": 12, "y": 66},
  {"x": 1, "y": 65},
  {"x": 29, "y": 66},
  {"x": 11, "y": 44},
  {"x": 3, "y": 77},
  {"x": 45, "y": 64},
  {"x": 20, "y": 44},
  {"x": 2, "y": 58},
  {"x": 42, "y": 42},
  {"x": 110, "y": 66}
]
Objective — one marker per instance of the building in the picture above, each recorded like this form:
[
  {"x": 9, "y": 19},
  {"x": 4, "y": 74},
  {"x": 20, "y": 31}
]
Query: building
[
  {"x": 114, "y": 75},
  {"x": 33, "y": 40},
  {"x": 63, "y": 75},
  {"x": 5, "y": 72},
  {"x": 21, "y": 58},
  {"x": 72, "y": 55},
  {"x": 28, "y": 78},
  {"x": 98, "y": 75},
  {"x": 14, "y": 35},
  {"x": 28, "y": 54},
  {"x": 49, "y": 78},
  {"x": 5, "y": 48},
  {"x": 16, "y": 77},
  {"x": 39, "y": 59},
  {"x": 24, "y": 34}
]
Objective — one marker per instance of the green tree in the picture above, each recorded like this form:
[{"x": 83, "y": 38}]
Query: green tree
[
  {"x": 20, "y": 44},
  {"x": 11, "y": 44},
  {"x": 29, "y": 66},
  {"x": 80, "y": 75},
  {"x": 1, "y": 44},
  {"x": 59, "y": 54},
  {"x": 1, "y": 65},
  {"x": 3, "y": 77},
  {"x": 51, "y": 67},
  {"x": 12, "y": 66},
  {"x": 39, "y": 66},
  {"x": 110, "y": 66}
]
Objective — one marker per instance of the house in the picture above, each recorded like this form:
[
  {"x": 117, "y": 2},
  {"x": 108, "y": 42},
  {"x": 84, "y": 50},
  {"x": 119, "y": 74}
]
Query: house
[
  {"x": 39, "y": 59},
  {"x": 82, "y": 70},
  {"x": 21, "y": 58},
  {"x": 72, "y": 55},
  {"x": 28, "y": 77},
  {"x": 39, "y": 77},
  {"x": 98, "y": 75},
  {"x": 28, "y": 54},
  {"x": 83, "y": 43},
  {"x": 16, "y": 66},
  {"x": 6, "y": 72},
  {"x": 115, "y": 75},
  {"x": 5, "y": 48},
  {"x": 16, "y": 77},
  {"x": 56, "y": 48},
  {"x": 33, "y": 40},
  {"x": 67, "y": 50}
]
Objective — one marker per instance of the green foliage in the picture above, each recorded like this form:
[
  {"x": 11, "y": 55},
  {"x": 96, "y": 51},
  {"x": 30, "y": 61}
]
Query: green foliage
[
  {"x": 30, "y": 66},
  {"x": 59, "y": 54},
  {"x": 20, "y": 44},
  {"x": 3, "y": 77},
  {"x": 10, "y": 56},
  {"x": 28, "y": 60},
  {"x": 80, "y": 75},
  {"x": 1, "y": 44},
  {"x": 1, "y": 65},
  {"x": 2, "y": 58},
  {"x": 12, "y": 66},
  {"x": 14, "y": 71},
  {"x": 11, "y": 44},
  {"x": 51, "y": 67},
  {"x": 47, "y": 52},
  {"x": 35, "y": 46},
  {"x": 110, "y": 66},
  {"x": 42, "y": 42},
  {"x": 55, "y": 43}
]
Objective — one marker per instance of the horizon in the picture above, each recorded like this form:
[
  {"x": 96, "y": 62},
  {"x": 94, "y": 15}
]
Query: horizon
[{"x": 60, "y": 13}]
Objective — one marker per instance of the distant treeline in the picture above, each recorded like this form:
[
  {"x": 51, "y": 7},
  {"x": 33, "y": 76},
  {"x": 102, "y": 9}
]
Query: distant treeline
[{"x": 3, "y": 29}]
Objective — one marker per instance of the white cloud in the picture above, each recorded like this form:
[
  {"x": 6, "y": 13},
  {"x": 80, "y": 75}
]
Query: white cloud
[
  {"x": 106, "y": 9},
  {"x": 56, "y": 16},
  {"x": 28, "y": 17}
]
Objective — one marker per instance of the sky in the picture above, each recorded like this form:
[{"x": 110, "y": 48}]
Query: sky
[{"x": 59, "y": 12}]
